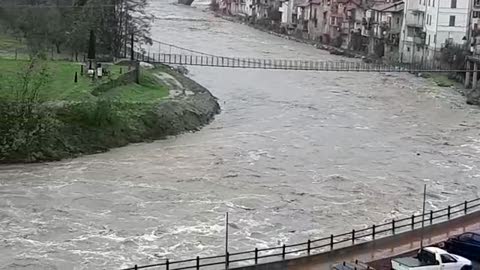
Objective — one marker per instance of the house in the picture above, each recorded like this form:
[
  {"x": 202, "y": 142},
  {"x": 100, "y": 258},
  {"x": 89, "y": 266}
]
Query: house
[
  {"x": 430, "y": 25},
  {"x": 412, "y": 36},
  {"x": 353, "y": 12},
  {"x": 474, "y": 32},
  {"x": 288, "y": 16},
  {"x": 318, "y": 12},
  {"x": 302, "y": 12},
  {"x": 447, "y": 22},
  {"x": 385, "y": 22}
]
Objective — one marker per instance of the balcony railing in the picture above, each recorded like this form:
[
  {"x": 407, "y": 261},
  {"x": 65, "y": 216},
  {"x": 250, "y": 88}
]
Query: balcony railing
[{"x": 419, "y": 40}]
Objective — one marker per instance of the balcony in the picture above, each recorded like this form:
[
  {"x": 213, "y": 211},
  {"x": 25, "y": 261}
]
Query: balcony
[
  {"x": 414, "y": 20},
  {"x": 417, "y": 10},
  {"x": 419, "y": 40}
]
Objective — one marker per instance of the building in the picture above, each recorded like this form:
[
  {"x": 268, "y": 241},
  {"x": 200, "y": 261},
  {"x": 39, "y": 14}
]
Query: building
[
  {"x": 385, "y": 24},
  {"x": 430, "y": 25},
  {"x": 318, "y": 12},
  {"x": 474, "y": 34}
]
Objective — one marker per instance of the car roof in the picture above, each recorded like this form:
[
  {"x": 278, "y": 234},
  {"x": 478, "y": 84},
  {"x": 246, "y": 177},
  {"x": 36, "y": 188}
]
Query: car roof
[
  {"x": 435, "y": 250},
  {"x": 472, "y": 232}
]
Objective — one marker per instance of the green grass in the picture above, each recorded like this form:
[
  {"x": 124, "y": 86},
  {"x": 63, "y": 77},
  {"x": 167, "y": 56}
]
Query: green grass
[
  {"x": 61, "y": 85},
  {"x": 442, "y": 80},
  {"x": 148, "y": 91}
]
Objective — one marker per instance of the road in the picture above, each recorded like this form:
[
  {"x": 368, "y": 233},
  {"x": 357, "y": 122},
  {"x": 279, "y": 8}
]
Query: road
[{"x": 293, "y": 155}]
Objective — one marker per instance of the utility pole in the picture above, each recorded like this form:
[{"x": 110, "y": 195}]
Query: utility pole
[
  {"x": 423, "y": 214},
  {"x": 226, "y": 240}
]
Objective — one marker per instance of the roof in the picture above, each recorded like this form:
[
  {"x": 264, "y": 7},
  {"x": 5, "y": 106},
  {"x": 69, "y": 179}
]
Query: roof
[
  {"x": 389, "y": 7},
  {"x": 435, "y": 250}
]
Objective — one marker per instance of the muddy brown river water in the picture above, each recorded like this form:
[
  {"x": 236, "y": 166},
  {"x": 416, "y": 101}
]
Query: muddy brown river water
[{"x": 293, "y": 155}]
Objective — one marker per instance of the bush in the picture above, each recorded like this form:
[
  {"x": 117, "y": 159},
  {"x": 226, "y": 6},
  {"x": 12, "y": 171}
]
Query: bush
[{"x": 25, "y": 125}]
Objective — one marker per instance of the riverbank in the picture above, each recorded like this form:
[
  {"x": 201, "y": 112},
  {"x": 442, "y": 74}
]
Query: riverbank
[
  {"x": 73, "y": 119},
  {"x": 321, "y": 46}
]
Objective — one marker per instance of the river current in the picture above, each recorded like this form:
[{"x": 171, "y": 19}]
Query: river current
[{"x": 293, "y": 155}]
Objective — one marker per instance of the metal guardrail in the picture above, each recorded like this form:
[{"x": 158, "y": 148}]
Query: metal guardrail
[{"x": 321, "y": 245}]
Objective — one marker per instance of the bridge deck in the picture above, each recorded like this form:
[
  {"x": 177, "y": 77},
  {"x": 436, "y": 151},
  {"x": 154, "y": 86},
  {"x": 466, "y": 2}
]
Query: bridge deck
[{"x": 284, "y": 64}]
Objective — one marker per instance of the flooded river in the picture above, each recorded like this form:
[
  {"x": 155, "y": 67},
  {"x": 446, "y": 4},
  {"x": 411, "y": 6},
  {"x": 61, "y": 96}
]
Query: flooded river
[{"x": 292, "y": 156}]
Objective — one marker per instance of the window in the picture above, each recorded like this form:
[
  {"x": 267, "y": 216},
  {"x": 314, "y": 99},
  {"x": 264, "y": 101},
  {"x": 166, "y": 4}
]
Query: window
[
  {"x": 466, "y": 237},
  {"x": 476, "y": 14},
  {"x": 429, "y": 2},
  {"x": 410, "y": 32},
  {"x": 435, "y": 38},
  {"x": 447, "y": 258},
  {"x": 453, "y": 4},
  {"x": 476, "y": 238},
  {"x": 418, "y": 48},
  {"x": 433, "y": 3},
  {"x": 452, "y": 21},
  {"x": 398, "y": 21},
  {"x": 428, "y": 42},
  {"x": 408, "y": 49}
]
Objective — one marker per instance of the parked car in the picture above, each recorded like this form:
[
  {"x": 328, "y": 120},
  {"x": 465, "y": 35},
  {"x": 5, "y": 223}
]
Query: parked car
[
  {"x": 466, "y": 244},
  {"x": 432, "y": 258}
]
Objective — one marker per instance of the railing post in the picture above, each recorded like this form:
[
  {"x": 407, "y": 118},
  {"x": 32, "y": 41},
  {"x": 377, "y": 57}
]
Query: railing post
[
  {"x": 198, "y": 262},
  {"x": 283, "y": 252},
  {"x": 413, "y": 222},
  {"x": 431, "y": 217},
  {"x": 373, "y": 231},
  {"x": 466, "y": 207},
  {"x": 393, "y": 226},
  {"x": 449, "y": 209},
  {"x": 136, "y": 267},
  {"x": 331, "y": 241},
  {"x": 308, "y": 246},
  {"x": 353, "y": 236},
  {"x": 256, "y": 255},
  {"x": 167, "y": 265},
  {"x": 227, "y": 260}
]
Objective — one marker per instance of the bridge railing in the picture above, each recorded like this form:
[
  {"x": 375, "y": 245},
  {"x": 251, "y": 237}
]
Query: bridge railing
[
  {"x": 285, "y": 64},
  {"x": 320, "y": 245}
]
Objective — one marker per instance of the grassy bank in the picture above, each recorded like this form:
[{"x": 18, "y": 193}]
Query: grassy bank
[
  {"x": 67, "y": 119},
  {"x": 60, "y": 85}
]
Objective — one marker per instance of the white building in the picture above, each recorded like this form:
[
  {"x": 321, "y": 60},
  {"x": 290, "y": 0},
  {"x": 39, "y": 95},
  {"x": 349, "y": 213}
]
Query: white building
[
  {"x": 287, "y": 10},
  {"x": 429, "y": 25}
]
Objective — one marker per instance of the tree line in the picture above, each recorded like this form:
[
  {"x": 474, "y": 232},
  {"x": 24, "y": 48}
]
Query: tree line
[{"x": 65, "y": 25}]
